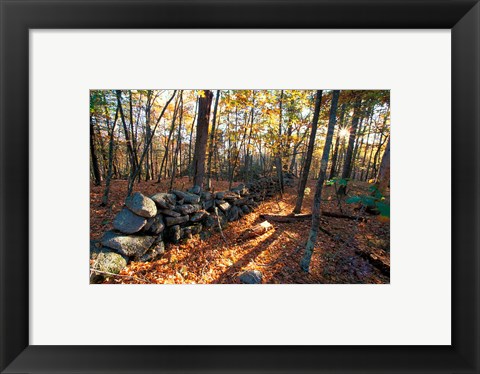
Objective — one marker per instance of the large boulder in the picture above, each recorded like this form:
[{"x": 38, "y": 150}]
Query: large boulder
[
  {"x": 141, "y": 205},
  {"x": 188, "y": 208},
  {"x": 128, "y": 222},
  {"x": 220, "y": 195},
  {"x": 164, "y": 200},
  {"x": 187, "y": 197},
  {"x": 198, "y": 216},
  {"x": 251, "y": 277},
  {"x": 208, "y": 204},
  {"x": 210, "y": 221},
  {"x": 132, "y": 245},
  {"x": 205, "y": 195},
  {"x": 169, "y": 212},
  {"x": 195, "y": 189},
  {"x": 106, "y": 262},
  {"x": 232, "y": 214},
  {"x": 170, "y": 221}
]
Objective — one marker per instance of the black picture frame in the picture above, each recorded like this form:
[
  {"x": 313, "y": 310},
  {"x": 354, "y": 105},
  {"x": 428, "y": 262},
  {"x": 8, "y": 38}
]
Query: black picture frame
[{"x": 19, "y": 16}]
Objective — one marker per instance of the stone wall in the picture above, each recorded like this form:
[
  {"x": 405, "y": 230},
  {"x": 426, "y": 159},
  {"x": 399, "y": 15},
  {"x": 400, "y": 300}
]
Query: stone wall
[{"x": 145, "y": 224}]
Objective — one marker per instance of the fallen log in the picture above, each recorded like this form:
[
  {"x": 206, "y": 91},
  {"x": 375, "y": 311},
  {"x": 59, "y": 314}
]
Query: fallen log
[
  {"x": 255, "y": 231},
  {"x": 302, "y": 217},
  {"x": 287, "y": 219},
  {"x": 377, "y": 261}
]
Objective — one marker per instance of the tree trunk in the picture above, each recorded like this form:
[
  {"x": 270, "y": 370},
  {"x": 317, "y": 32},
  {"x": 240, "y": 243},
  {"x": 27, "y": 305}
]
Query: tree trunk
[
  {"x": 383, "y": 179},
  {"x": 278, "y": 158},
  {"x": 302, "y": 183},
  {"x": 366, "y": 147},
  {"x": 337, "y": 143},
  {"x": 147, "y": 145},
  {"x": 179, "y": 142},
  {"x": 96, "y": 168},
  {"x": 167, "y": 146},
  {"x": 134, "y": 138},
  {"x": 358, "y": 144},
  {"x": 248, "y": 156},
  {"x": 127, "y": 134},
  {"x": 377, "y": 152},
  {"x": 370, "y": 157},
  {"x": 212, "y": 143},
  {"x": 110, "y": 159},
  {"x": 203, "y": 120},
  {"x": 347, "y": 166},
  {"x": 312, "y": 239},
  {"x": 190, "y": 168}
]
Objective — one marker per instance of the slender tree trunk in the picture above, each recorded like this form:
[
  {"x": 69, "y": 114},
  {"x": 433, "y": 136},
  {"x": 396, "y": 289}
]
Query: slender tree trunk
[
  {"x": 383, "y": 178},
  {"x": 204, "y": 107},
  {"x": 376, "y": 158},
  {"x": 367, "y": 145},
  {"x": 190, "y": 167},
  {"x": 278, "y": 158},
  {"x": 179, "y": 142},
  {"x": 110, "y": 160},
  {"x": 337, "y": 143},
  {"x": 370, "y": 157},
  {"x": 93, "y": 153},
  {"x": 316, "y": 211},
  {"x": 134, "y": 138},
  {"x": 103, "y": 153},
  {"x": 148, "y": 159},
  {"x": 147, "y": 145},
  {"x": 293, "y": 164},
  {"x": 347, "y": 166},
  {"x": 248, "y": 157},
  {"x": 358, "y": 142},
  {"x": 167, "y": 146},
  {"x": 237, "y": 156},
  {"x": 377, "y": 152},
  {"x": 212, "y": 143},
  {"x": 127, "y": 134},
  {"x": 302, "y": 183}
]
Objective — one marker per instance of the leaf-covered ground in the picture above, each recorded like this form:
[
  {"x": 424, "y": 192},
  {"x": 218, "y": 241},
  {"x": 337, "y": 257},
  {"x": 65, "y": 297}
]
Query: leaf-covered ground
[{"x": 276, "y": 253}]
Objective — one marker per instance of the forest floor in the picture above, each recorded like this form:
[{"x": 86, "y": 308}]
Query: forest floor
[{"x": 276, "y": 253}]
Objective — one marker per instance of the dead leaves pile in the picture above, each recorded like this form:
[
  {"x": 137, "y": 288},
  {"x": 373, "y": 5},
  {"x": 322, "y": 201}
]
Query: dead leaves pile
[{"x": 276, "y": 253}]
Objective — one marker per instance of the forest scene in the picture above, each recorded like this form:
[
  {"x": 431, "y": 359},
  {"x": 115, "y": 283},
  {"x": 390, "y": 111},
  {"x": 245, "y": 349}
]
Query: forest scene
[{"x": 239, "y": 186}]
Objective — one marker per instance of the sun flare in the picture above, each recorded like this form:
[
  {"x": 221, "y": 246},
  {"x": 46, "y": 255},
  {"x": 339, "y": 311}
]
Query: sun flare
[{"x": 344, "y": 132}]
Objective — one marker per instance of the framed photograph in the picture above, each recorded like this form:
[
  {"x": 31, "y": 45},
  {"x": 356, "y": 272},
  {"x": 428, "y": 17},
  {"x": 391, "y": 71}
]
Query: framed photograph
[{"x": 261, "y": 187}]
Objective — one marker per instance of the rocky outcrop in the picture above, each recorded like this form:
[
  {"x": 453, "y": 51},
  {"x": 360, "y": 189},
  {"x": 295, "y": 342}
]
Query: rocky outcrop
[
  {"x": 145, "y": 224},
  {"x": 128, "y": 222},
  {"x": 141, "y": 205}
]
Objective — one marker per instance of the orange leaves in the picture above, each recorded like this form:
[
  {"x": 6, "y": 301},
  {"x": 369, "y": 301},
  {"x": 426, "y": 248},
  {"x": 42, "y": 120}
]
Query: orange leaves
[{"x": 276, "y": 254}]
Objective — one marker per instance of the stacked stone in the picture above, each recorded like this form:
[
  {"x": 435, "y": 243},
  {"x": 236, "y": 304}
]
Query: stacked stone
[{"x": 144, "y": 224}]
